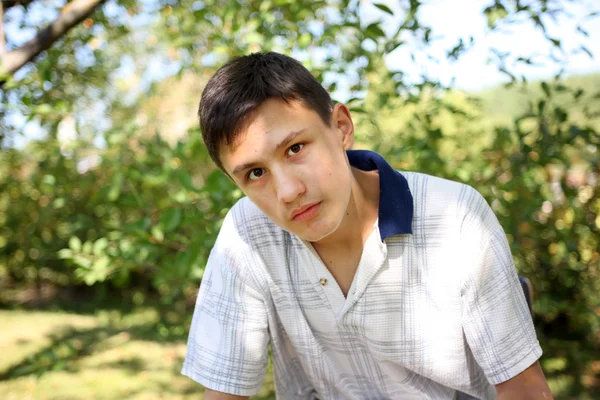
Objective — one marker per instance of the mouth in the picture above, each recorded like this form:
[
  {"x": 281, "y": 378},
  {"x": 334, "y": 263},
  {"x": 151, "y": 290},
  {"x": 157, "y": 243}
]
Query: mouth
[{"x": 305, "y": 212}]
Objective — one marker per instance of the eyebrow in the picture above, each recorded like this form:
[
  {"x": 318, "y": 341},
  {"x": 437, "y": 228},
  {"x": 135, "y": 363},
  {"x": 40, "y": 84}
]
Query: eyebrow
[
  {"x": 240, "y": 168},
  {"x": 284, "y": 143},
  {"x": 289, "y": 138}
]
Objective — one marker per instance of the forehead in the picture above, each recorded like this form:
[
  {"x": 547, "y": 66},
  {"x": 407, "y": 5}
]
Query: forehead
[{"x": 267, "y": 123}]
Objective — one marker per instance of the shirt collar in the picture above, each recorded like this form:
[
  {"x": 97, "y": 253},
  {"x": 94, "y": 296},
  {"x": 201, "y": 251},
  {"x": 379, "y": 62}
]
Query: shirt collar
[{"x": 395, "y": 199}]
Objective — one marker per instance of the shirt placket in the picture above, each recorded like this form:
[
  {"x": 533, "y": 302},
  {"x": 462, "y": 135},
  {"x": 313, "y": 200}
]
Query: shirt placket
[
  {"x": 324, "y": 282},
  {"x": 373, "y": 256}
]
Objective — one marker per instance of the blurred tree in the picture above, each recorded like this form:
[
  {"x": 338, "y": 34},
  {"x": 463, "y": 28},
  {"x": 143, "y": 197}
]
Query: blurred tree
[
  {"x": 72, "y": 14},
  {"x": 120, "y": 194}
]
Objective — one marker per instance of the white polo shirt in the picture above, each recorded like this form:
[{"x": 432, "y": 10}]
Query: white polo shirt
[{"x": 435, "y": 310}]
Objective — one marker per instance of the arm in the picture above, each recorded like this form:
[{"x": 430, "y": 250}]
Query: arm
[
  {"x": 496, "y": 321},
  {"x": 214, "y": 395},
  {"x": 528, "y": 385},
  {"x": 229, "y": 336}
]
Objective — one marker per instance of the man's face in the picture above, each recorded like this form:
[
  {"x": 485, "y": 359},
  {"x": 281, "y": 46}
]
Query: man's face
[{"x": 294, "y": 167}]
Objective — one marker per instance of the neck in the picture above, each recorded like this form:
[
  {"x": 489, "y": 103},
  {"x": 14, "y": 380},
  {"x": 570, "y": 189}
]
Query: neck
[{"x": 361, "y": 213}]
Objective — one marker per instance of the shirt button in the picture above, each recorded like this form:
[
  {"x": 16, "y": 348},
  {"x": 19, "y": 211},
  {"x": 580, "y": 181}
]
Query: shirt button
[{"x": 323, "y": 281}]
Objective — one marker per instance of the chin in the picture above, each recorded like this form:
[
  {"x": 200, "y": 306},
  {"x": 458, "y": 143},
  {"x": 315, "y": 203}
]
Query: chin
[
  {"x": 312, "y": 237},
  {"x": 317, "y": 233}
]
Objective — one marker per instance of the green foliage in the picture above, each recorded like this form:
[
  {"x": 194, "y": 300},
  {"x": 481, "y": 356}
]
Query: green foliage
[
  {"x": 125, "y": 213},
  {"x": 138, "y": 215},
  {"x": 541, "y": 174},
  {"x": 42, "y": 203},
  {"x": 546, "y": 192}
]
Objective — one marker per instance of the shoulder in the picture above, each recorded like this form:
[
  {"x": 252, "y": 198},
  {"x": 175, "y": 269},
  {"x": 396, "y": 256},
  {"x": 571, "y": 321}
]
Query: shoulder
[
  {"x": 418, "y": 182},
  {"x": 435, "y": 194},
  {"x": 246, "y": 242},
  {"x": 248, "y": 227}
]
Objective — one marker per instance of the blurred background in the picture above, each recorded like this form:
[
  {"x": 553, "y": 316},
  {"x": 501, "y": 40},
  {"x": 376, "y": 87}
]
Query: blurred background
[{"x": 109, "y": 204}]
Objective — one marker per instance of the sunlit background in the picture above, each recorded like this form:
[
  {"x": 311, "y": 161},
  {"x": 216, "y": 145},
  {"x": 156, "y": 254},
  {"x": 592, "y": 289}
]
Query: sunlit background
[{"x": 109, "y": 204}]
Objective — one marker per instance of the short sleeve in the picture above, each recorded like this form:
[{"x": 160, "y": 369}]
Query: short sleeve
[
  {"x": 228, "y": 340},
  {"x": 496, "y": 321}
]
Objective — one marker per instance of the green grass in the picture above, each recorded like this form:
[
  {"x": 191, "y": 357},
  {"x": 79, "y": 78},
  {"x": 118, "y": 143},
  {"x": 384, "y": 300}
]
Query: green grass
[
  {"x": 109, "y": 355},
  {"x": 114, "y": 355},
  {"x": 503, "y": 104}
]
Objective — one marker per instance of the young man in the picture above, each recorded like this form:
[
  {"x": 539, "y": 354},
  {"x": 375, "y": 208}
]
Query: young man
[{"x": 368, "y": 283}]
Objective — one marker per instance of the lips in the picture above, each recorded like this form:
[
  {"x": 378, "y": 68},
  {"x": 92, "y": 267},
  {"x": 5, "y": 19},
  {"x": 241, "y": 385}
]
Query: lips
[{"x": 305, "y": 212}]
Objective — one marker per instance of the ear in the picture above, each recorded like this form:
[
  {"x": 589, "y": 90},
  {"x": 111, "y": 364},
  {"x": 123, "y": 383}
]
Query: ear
[{"x": 342, "y": 122}]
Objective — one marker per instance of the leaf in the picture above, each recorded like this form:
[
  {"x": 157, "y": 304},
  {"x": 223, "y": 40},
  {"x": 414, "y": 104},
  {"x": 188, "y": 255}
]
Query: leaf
[
  {"x": 194, "y": 250},
  {"x": 384, "y": 8},
  {"x": 494, "y": 14},
  {"x": 218, "y": 182},
  {"x": 49, "y": 180},
  {"x": 374, "y": 31},
  {"x": 555, "y": 42},
  {"x": 100, "y": 268},
  {"x": 358, "y": 110},
  {"x": 82, "y": 261},
  {"x": 559, "y": 74},
  {"x": 391, "y": 46},
  {"x": 583, "y": 31},
  {"x": 526, "y": 60},
  {"x": 305, "y": 40},
  {"x": 65, "y": 254},
  {"x": 158, "y": 233},
  {"x": 538, "y": 22},
  {"x": 184, "y": 41},
  {"x": 170, "y": 219},
  {"x": 87, "y": 247},
  {"x": 44, "y": 109},
  {"x": 546, "y": 89},
  {"x": 561, "y": 88},
  {"x": 45, "y": 70},
  {"x": 463, "y": 174},
  {"x": 587, "y": 51},
  {"x": 560, "y": 114},
  {"x": 541, "y": 106},
  {"x": 575, "y": 131},
  {"x": 186, "y": 180},
  {"x": 75, "y": 244},
  {"x": 254, "y": 38},
  {"x": 89, "y": 279},
  {"x": 592, "y": 14},
  {"x": 456, "y": 51},
  {"x": 506, "y": 72},
  {"x": 115, "y": 189},
  {"x": 100, "y": 245}
]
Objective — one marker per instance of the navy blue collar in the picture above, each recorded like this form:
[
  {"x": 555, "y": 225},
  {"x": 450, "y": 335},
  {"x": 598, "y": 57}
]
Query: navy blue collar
[{"x": 395, "y": 199}]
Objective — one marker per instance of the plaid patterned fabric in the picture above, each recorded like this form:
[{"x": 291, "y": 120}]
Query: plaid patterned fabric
[{"x": 433, "y": 314}]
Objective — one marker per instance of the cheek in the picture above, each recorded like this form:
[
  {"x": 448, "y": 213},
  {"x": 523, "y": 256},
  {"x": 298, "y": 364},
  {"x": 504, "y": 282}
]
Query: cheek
[
  {"x": 261, "y": 200},
  {"x": 325, "y": 164},
  {"x": 266, "y": 202},
  {"x": 336, "y": 173}
]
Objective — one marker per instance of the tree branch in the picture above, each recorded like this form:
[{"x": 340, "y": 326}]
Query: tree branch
[
  {"x": 2, "y": 42},
  {"x": 71, "y": 15}
]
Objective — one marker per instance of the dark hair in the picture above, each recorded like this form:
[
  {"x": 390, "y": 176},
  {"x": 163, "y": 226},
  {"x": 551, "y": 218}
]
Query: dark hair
[{"x": 239, "y": 87}]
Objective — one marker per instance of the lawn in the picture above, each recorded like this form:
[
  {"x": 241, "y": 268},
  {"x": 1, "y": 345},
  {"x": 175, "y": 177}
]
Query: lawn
[{"x": 108, "y": 355}]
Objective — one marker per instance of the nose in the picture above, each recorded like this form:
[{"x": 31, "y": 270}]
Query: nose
[{"x": 289, "y": 186}]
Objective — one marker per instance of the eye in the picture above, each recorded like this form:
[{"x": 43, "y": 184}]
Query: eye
[
  {"x": 255, "y": 174},
  {"x": 295, "y": 149}
]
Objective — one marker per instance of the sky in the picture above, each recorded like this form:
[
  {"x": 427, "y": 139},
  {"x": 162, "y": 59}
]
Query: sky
[{"x": 455, "y": 19}]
